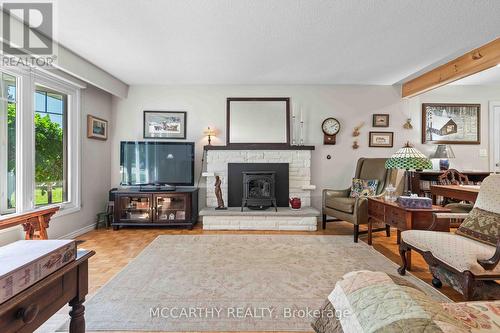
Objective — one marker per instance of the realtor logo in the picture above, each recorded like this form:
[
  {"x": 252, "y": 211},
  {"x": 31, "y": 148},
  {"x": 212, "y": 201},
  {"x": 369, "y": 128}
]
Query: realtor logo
[{"x": 27, "y": 28}]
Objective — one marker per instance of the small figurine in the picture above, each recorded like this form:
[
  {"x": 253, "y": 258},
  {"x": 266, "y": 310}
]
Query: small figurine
[
  {"x": 407, "y": 124},
  {"x": 218, "y": 194},
  {"x": 356, "y": 131},
  {"x": 355, "y": 145}
]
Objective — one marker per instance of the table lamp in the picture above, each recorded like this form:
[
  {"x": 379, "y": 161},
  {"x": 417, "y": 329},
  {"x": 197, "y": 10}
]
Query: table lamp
[
  {"x": 210, "y": 132},
  {"x": 444, "y": 153},
  {"x": 408, "y": 158}
]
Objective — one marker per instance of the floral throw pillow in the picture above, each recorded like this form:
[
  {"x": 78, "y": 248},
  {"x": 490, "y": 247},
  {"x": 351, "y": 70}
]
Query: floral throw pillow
[
  {"x": 363, "y": 187},
  {"x": 481, "y": 225}
]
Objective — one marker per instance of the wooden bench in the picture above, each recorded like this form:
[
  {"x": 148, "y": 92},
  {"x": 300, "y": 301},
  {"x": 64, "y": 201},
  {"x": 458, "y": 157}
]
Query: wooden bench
[{"x": 35, "y": 223}]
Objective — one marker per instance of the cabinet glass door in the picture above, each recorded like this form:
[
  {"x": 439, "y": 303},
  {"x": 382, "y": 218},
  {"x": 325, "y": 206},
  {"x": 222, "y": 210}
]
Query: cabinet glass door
[
  {"x": 135, "y": 208},
  {"x": 170, "y": 208}
]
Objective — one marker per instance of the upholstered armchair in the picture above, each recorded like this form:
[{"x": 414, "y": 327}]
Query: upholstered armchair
[
  {"x": 339, "y": 204},
  {"x": 467, "y": 259}
]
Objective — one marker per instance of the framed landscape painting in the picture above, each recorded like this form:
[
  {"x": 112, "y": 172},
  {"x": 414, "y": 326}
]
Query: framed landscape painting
[
  {"x": 451, "y": 123},
  {"x": 164, "y": 124},
  {"x": 97, "y": 128}
]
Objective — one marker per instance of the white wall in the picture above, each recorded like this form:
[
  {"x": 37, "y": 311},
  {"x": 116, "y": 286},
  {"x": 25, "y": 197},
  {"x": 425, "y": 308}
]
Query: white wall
[
  {"x": 351, "y": 105},
  {"x": 95, "y": 174}
]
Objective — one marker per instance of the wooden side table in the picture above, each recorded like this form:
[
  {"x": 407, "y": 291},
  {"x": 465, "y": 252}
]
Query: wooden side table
[
  {"x": 459, "y": 192},
  {"x": 396, "y": 216},
  {"x": 29, "y": 309}
]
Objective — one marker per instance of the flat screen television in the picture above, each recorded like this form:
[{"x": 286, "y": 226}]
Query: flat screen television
[{"x": 156, "y": 163}]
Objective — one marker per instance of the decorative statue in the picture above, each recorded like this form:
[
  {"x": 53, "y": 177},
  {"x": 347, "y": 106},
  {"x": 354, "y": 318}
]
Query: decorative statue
[{"x": 218, "y": 193}]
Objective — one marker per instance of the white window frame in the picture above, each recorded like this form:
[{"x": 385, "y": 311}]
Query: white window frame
[{"x": 27, "y": 80}]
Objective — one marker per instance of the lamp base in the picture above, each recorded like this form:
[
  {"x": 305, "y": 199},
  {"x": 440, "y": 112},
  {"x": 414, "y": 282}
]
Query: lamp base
[
  {"x": 408, "y": 186},
  {"x": 444, "y": 164}
]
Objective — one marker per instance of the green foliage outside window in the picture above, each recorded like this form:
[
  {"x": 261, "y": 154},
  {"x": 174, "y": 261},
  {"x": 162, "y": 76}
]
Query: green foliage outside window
[{"x": 49, "y": 160}]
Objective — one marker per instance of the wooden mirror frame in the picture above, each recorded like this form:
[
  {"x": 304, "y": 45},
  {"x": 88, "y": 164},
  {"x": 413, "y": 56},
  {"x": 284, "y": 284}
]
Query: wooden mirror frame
[{"x": 269, "y": 145}]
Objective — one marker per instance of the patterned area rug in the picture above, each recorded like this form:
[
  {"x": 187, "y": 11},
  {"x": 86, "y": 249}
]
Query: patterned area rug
[{"x": 231, "y": 283}]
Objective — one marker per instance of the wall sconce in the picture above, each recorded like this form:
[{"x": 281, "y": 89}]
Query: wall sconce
[{"x": 210, "y": 132}]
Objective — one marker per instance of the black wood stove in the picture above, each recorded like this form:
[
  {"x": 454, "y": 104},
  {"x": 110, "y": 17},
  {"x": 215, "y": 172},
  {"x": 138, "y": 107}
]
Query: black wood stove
[{"x": 259, "y": 190}]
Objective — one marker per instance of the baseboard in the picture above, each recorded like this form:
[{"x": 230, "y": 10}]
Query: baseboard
[{"x": 79, "y": 232}]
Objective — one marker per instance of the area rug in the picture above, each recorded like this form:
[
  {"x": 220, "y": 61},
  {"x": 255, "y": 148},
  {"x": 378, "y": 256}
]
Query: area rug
[{"x": 231, "y": 283}]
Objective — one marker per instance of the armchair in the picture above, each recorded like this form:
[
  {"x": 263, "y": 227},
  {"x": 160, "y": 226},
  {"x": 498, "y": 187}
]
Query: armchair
[
  {"x": 339, "y": 204},
  {"x": 468, "y": 259}
]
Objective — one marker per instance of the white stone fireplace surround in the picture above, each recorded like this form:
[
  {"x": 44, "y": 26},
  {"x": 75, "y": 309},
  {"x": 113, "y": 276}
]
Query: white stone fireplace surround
[
  {"x": 299, "y": 162},
  {"x": 299, "y": 172}
]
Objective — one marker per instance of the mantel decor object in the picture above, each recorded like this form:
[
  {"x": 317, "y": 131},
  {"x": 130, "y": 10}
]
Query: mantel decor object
[
  {"x": 408, "y": 158},
  {"x": 210, "y": 132},
  {"x": 443, "y": 153},
  {"x": 218, "y": 194}
]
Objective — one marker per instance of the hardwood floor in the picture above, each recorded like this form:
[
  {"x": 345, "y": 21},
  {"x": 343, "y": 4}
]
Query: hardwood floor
[{"x": 115, "y": 249}]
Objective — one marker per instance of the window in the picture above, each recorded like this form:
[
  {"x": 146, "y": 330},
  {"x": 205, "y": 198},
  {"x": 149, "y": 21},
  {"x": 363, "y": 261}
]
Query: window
[
  {"x": 8, "y": 109},
  {"x": 50, "y": 147},
  {"x": 39, "y": 141}
]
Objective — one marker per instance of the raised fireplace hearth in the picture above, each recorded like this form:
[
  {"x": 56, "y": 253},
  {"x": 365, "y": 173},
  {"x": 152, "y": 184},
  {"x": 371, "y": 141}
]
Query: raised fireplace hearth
[{"x": 259, "y": 190}]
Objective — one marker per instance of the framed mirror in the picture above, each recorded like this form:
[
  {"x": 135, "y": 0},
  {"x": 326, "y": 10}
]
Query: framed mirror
[{"x": 258, "y": 121}]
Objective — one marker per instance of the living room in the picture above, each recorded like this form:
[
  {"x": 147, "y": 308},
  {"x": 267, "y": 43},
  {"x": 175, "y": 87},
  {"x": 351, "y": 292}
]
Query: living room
[{"x": 251, "y": 166}]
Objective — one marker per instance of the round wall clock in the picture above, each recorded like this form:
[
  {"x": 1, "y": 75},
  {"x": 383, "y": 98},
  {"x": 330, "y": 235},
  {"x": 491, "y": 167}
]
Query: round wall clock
[{"x": 330, "y": 127}]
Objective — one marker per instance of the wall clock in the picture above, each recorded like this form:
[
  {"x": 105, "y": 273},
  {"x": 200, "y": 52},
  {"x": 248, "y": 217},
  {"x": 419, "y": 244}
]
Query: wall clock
[{"x": 330, "y": 127}]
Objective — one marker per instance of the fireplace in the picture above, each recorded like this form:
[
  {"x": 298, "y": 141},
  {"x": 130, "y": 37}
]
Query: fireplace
[
  {"x": 259, "y": 190},
  {"x": 235, "y": 182}
]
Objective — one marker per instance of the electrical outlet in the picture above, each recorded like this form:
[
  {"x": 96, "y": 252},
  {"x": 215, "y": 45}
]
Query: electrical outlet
[{"x": 483, "y": 152}]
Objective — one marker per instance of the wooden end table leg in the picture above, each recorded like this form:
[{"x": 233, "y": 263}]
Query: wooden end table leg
[
  {"x": 398, "y": 239},
  {"x": 77, "y": 314},
  {"x": 370, "y": 226}
]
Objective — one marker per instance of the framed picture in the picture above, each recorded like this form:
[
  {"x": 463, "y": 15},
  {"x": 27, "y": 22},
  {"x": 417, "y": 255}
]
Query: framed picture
[
  {"x": 164, "y": 124},
  {"x": 380, "y": 120},
  {"x": 381, "y": 139},
  {"x": 97, "y": 128},
  {"x": 451, "y": 123}
]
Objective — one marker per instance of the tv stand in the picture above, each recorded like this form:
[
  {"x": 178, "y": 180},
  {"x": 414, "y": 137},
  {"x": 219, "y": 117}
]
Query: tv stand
[{"x": 153, "y": 207}]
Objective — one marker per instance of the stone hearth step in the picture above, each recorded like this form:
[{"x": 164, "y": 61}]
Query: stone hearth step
[{"x": 284, "y": 219}]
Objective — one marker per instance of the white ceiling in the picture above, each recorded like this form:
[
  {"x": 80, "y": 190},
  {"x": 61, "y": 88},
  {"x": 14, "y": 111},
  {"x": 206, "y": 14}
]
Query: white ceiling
[
  {"x": 489, "y": 77},
  {"x": 273, "y": 41}
]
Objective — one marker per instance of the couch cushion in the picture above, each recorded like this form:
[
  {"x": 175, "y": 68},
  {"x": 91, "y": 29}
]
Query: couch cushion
[
  {"x": 345, "y": 205},
  {"x": 481, "y": 225},
  {"x": 363, "y": 187},
  {"x": 479, "y": 317},
  {"x": 454, "y": 250}
]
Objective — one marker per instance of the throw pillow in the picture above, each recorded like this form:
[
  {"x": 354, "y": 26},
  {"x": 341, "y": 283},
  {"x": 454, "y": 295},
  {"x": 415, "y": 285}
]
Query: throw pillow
[
  {"x": 481, "y": 225},
  {"x": 363, "y": 187}
]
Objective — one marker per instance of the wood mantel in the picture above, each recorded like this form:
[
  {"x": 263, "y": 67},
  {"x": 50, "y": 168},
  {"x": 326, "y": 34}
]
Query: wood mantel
[
  {"x": 257, "y": 146},
  {"x": 35, "y": 223}
]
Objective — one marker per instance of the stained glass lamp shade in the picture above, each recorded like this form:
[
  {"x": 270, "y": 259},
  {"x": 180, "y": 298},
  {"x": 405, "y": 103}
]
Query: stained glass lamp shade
[{"x": 408, "y": 158}]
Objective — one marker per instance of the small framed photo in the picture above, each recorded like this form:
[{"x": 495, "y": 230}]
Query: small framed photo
[
  {"x": 164, "y": 124},
  {"x": 381, "y": 139},
  {"x": 380, "y": 120},
  {"x": 97, "y": 128}
]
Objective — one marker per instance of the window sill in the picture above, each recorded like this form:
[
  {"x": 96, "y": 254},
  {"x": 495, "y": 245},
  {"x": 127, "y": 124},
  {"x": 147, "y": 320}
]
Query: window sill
[{"x": 66, "y": 209}]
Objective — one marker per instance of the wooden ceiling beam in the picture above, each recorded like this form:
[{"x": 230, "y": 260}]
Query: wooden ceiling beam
[{"x": 475, "y": 61}]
